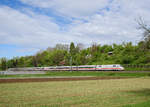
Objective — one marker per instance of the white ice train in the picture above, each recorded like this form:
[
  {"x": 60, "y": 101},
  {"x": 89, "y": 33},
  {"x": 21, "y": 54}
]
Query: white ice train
[{"x": 114, "y": 67}]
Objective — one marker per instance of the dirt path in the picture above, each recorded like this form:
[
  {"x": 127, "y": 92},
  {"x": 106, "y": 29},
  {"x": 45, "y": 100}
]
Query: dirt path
[{"x": 16, "y": 80}]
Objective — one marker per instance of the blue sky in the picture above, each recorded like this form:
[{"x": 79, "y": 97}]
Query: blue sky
[
  {"x": 28, "y": 26},
  {"x": 12, "y": 50}
]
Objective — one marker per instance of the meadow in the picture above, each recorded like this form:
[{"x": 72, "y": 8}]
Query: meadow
[{"x": 89, "y": 93}]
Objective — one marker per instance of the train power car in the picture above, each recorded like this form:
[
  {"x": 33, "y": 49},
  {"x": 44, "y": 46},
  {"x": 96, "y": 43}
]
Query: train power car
[{"x": 115, "y": 67}]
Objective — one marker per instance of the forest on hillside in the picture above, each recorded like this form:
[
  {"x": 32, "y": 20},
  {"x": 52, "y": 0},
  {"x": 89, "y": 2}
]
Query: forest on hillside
[{"x": 97, "y": 54}]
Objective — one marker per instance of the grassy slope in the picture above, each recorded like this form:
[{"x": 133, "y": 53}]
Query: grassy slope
[
  {"x": 95, "y": 93},
  {"x": 67, "y": 73}
]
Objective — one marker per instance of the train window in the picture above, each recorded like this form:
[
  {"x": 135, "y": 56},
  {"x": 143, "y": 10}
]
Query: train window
[
  {"x": 114, "y": 65},
  {"x": 100, "y": 66}
]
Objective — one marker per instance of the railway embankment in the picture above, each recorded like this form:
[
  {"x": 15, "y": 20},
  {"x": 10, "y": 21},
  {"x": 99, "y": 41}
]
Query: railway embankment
[
  {"x": 40, "y": 74},
  {"x": 20, "y": 72}
]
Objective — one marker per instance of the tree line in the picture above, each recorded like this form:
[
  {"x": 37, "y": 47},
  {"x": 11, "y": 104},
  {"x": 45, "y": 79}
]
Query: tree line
[{"x": 125, "y": 53}]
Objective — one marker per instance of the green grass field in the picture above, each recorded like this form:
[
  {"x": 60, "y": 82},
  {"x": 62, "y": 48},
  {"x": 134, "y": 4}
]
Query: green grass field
[
  {"x": 131, "y": 92},
  {"x": 77, "y": 73},
  {"x": 143, "y": 104},
  {"x": 137, "y": 69}
]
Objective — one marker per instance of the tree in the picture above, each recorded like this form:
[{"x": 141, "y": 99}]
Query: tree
[
  {"x": 34, "y": 61},
  {"x": 3, "y": 63},
  {"x": 62, "y": 47},
  {"x": 79, "y": 47},
  {"x": 15, "y": 62},
  {"x": 146, "y": 33},
  {"x": 58, "y": 57},
  {"x": 72, "y": 49}
]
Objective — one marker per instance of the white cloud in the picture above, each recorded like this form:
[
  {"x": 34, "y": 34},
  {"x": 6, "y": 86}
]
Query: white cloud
[
  {"x": 116, "y": 23},
  {"x": 71, "y": 8},
  {"x": 36, "y": 31},
  {"x": 19, "y": 28}
]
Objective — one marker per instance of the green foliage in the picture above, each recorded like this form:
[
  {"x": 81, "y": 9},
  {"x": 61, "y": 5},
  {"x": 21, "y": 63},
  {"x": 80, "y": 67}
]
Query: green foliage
[
  {"x": 72, "y": 49},
  {"x": 125, "y": 53}
]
